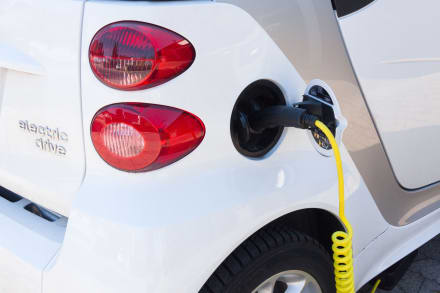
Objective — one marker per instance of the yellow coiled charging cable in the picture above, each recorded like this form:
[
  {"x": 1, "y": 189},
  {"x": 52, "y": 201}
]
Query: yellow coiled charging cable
[{"x": 342, "y": 241}]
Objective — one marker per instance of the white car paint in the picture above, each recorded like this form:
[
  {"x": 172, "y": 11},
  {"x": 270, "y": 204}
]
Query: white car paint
[
  {"x": 167, "y": 230},
  {"x": 28, "y": 243},
  {"x": 40, "y": 84},
  {"x": 394, "y": 244},
  {"x": 396, "y": 58}
]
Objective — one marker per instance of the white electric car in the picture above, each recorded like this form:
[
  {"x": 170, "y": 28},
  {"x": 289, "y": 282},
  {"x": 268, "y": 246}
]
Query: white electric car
[{"x": 127, "y": 163}]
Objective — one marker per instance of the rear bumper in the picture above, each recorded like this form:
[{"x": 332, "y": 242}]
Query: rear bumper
[
  {"x": 27, "y": 244},
  {"x": 121, "y": 236}
]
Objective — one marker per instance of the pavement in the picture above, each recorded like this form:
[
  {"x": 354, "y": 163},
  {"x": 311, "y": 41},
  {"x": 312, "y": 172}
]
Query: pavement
[{"x": 424, "y": 274}]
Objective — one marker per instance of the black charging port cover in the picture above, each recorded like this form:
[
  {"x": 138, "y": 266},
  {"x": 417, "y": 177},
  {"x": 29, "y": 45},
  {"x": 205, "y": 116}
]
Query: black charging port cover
[{"x": 255, "y": 97}]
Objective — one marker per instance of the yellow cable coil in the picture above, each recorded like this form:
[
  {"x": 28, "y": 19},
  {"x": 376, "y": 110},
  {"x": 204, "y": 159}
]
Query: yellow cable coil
[{"x": 342, "y": 241}]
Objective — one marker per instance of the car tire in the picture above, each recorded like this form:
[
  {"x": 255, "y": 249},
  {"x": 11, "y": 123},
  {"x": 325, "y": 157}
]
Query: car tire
[{"x": 270, "y": 253}]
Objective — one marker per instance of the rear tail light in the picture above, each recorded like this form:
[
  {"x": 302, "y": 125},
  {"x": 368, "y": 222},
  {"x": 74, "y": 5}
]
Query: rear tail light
[
  {"x": 131, "y": 55},
  {"x": 139, "y": 137}
]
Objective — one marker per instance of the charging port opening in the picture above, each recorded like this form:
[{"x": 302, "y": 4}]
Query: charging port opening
[{"x": 317, "y": 101}]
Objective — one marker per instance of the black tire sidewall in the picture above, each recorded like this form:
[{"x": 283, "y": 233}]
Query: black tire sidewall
[{"x": 293, "y": 256}]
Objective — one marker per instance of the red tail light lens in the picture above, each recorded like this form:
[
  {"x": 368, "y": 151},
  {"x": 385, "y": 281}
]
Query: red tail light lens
[
  {"x": 133, "y": 55},
  {"x": 142, "y": 137}
]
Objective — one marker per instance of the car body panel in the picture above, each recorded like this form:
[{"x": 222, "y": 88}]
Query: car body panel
[
  {"x": 27, "y": 245},
  {"x": 193, "y": 213},
  {"x": 41, "y": 150},
  {"x": 397, "y": 60},
  {"x": 168, "y": 230},
  {"x": 314, "y": 44}
]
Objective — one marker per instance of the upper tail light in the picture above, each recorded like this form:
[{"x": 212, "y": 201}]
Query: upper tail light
[
  {"x": 131, "y": 55},
  {"x": 140, "y": 137}
]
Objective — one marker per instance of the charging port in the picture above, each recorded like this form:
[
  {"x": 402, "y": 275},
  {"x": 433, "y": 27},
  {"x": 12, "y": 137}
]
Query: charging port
[
  {"x": 260, "y": 115},
  {"x": 319, "y": 103}
]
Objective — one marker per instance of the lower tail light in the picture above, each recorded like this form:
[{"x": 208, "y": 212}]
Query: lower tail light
[{"x": 138, "y": 137}]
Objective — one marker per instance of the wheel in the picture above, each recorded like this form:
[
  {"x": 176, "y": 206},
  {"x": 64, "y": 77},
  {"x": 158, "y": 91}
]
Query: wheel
[{"x": 274, "y": 260}]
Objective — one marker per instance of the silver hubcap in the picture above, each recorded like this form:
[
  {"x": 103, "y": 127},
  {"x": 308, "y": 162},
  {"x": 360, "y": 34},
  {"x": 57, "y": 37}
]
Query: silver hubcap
[{"x": 289, "y": 282}]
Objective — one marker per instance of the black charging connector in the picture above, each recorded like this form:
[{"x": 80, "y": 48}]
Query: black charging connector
[
  {"x": 301, "y": 115},
  {"x": 285, "y": 116},
  {"x": 322, "y": 110}
]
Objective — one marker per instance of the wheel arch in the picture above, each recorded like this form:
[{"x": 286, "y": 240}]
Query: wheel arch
[{"x": 307, "y": 221}]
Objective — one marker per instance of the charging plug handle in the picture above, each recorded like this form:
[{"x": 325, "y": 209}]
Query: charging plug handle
[{"x": 286, "y": 116}]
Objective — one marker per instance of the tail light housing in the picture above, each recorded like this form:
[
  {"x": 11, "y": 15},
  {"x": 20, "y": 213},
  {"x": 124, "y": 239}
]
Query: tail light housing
[
  {"x": 132, "y": 55},
  {"x": 137, "y": 137}
]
